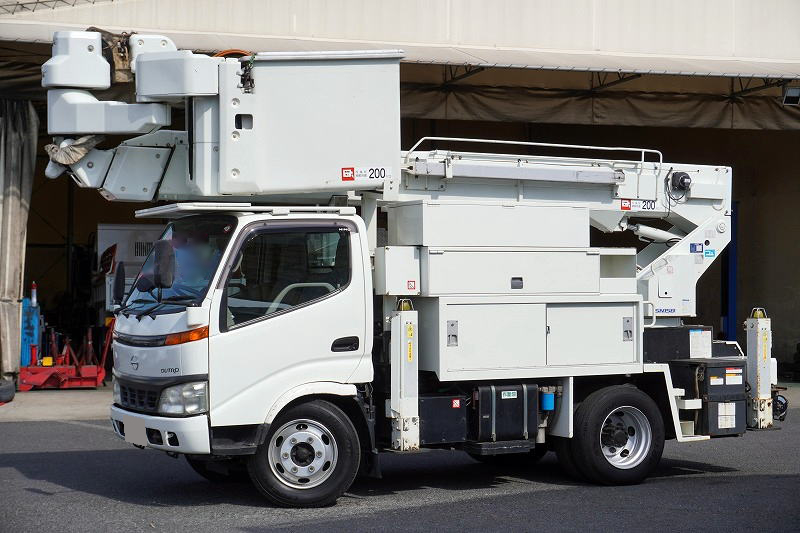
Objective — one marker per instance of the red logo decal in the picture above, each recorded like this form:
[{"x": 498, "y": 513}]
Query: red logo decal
[
  {"x": 411, "y": 285},
  {"x": 457, "y": 404},
  {"x": 626, "y": 205},
  {"x": 348, "y": 174}
]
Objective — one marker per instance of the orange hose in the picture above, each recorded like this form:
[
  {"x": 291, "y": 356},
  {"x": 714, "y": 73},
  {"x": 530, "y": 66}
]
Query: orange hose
[{"x": 233, "y": 52}]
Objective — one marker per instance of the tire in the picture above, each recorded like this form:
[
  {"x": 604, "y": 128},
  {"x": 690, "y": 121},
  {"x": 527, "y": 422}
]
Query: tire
[
  {"x": 562, "y": 447},
  {"x": 314, "y": 469},
  {"x": 513, "y": 459},
  {"x": 618, "y": 436},
  {"x": 7, "y": 389},
  {"x": 236, "y": 470}
]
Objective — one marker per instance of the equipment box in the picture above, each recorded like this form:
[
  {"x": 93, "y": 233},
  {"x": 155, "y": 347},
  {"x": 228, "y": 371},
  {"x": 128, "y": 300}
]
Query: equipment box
[
  {"x": 662, "y": 345},
  {"x": 506, "y": 412},
  {"x": 722, "y": 418},
  {"x": 719, "y": 382},
  {"x": 442, "y": 419},
  {"x": 717, "y": 379}
]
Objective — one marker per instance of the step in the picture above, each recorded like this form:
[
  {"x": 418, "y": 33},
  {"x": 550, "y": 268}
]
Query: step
[
  {"x": 499, "y": 447},
  {"x": 694, "y": 403}
]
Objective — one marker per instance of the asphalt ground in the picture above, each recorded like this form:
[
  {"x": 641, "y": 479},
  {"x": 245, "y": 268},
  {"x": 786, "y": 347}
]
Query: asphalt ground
[{"x": 77, "y": 476}]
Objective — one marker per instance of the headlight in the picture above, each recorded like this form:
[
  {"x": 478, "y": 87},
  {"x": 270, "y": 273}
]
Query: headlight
[
  {"x": 184, "y": 399},
  {"x": 117, "y": 394}
]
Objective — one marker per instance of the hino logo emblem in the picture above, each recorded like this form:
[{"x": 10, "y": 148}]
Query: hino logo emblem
[{"x": 134, "y": 362}]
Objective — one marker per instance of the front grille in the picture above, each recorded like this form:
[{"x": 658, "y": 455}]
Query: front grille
[{"x": 138, "y": 399}]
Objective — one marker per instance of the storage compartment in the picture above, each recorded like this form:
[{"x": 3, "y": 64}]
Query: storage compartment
[
  {"x": 397, "y": 270},
  {"x": 459, "y": 337},
  {"x": 618, "y": 270},
  {"x": 492, "y": 271},
  {"x": 442, "y": 419},
  {"x": 662, "y": 345},
  {"x": 506, "y": 412},
  {"x": 591, "y": 333},
  {"x": 722, "y": 418},
  {"x": 425, "y": 223}
]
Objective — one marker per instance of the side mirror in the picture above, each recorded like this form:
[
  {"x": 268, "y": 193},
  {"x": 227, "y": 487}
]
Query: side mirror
[
  {"x": 119, "y": 284},
  {"x": 164, "y": 267}
]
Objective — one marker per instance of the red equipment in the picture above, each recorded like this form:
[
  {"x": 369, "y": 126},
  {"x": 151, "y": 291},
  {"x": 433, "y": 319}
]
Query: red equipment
[{"x": 69, "y": 370}]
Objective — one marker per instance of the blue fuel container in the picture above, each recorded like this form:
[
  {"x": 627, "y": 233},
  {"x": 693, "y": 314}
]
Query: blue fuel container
[{"x": 547, "y": 401}]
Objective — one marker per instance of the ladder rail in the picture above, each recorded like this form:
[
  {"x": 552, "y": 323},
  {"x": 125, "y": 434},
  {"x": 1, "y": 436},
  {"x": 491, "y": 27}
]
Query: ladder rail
[{"x": 641, "y": 151}]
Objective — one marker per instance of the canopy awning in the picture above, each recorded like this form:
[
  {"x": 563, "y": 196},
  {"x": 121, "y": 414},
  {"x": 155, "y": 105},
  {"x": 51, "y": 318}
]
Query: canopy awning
[
  {"x": 13, "y": 29},
  {"x": 724, "y": 38}
]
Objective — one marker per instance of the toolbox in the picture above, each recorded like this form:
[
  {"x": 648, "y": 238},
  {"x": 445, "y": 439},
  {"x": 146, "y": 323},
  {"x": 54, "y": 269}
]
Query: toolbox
[
  {"x": 506, "y": 412},
  {"x": 442, "y": 419}
]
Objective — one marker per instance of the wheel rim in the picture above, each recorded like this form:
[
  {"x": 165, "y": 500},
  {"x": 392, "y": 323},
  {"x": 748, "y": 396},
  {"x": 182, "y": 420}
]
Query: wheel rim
[
  {"x": 302, "y": 454},
  {"x": 626, "y": 437}
]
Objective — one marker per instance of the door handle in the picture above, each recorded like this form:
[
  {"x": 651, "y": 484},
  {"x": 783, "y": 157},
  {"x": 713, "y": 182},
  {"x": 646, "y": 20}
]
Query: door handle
[{"x": 345, "y": 344}]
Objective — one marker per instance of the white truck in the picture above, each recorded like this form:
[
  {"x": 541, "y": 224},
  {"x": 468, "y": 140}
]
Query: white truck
[{"x": 319, "y": 296}]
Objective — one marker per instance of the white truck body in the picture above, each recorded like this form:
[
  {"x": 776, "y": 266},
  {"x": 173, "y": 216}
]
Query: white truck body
[{"x": 488, "y": 292}]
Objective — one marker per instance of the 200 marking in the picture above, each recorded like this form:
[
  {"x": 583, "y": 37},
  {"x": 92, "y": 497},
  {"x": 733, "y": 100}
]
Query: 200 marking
[{"x": 377, "y": 173}]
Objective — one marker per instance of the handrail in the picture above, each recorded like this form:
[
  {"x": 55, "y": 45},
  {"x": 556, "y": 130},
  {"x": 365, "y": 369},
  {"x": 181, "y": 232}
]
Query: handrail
[
  {"x": 654, "y": 318},
  {"x": 642, "y": 151}
]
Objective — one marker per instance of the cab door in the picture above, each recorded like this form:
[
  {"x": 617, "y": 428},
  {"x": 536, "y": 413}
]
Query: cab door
[{"x": 293, "y": 310}]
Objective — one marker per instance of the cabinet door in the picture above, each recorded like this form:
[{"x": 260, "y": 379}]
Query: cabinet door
[
  {"x": 591, "y": 334},
  {"x": 493, "y": 336}
]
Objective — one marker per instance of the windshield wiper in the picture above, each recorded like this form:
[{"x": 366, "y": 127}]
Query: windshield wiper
[
  {"x": 129, "y": 304},
  {"x": 176, "y": 299},
  {"x": 164, "y": 301}
]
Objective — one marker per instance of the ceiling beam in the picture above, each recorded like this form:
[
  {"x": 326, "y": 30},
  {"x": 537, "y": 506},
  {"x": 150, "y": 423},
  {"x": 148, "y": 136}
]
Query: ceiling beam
[
  {"x": 451, "y": 75},
  {"x": 621, "y": 78},
  {"x": 766, "y": 85}
]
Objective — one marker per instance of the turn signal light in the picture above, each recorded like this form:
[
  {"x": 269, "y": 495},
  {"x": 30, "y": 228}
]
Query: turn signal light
[{"x": 186, "y": 336}]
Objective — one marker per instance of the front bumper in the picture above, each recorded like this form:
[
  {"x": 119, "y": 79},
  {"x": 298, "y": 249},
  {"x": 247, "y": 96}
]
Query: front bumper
[{"x": 179, "y": 435}]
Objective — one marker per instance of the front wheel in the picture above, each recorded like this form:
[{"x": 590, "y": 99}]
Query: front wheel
[
  {"x": 309, "y": 458},
  {"x": 618, "y": 436}
]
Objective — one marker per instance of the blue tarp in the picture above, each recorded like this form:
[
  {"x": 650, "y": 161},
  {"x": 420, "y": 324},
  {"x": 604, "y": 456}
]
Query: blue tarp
[{"x": 30, "y": 331}]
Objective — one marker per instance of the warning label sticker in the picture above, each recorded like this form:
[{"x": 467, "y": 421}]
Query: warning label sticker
[
  {"x": 733, "y": 376},
  {"x": 726, "y": 415},
  {"x": 699, "y": 343}
]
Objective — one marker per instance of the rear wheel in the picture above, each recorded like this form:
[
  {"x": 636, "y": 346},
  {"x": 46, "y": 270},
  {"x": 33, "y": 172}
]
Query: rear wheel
[
  {"x": 563, "y": 448},
  {"x": 618, "y": 436},
  {"x": 310, "y": 457}
]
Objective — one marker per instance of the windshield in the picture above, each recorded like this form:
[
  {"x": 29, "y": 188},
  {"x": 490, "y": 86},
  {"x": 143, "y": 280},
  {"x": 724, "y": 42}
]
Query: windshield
[{"x": 198, "y": 243}]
